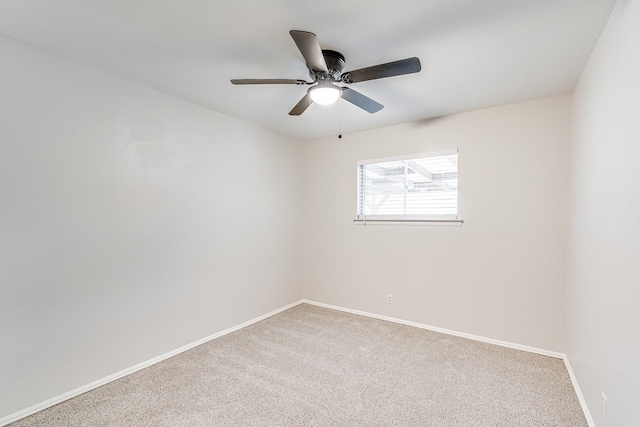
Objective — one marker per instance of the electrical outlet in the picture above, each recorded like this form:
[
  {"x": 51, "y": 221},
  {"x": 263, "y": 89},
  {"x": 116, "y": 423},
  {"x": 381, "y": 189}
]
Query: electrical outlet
[
  {"x": 604, "y": 406},
  {"x": 389, "y": 298}
]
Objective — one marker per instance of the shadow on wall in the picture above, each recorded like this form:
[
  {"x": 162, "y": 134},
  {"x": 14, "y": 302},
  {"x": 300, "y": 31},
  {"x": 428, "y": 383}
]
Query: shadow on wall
[{"x": 430, "y": 121}]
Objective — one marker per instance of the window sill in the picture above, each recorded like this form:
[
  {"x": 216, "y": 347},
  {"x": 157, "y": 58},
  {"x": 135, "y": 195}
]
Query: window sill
[{"x": 445, "y": 222}]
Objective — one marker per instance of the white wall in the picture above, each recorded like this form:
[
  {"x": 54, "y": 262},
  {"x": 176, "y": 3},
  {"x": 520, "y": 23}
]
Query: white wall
[
  {"x": 603, "y": 300},
  {"x": 131, "y": 223},
  {"x": 501, "y": 275}
]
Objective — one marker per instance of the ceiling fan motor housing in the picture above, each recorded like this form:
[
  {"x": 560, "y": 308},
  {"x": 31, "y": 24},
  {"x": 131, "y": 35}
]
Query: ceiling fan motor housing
[{"x": 335, "y": 64}]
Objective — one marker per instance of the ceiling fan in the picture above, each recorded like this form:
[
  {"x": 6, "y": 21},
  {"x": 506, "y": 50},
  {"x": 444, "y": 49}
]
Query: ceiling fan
[{"x": 325, "y": 68}]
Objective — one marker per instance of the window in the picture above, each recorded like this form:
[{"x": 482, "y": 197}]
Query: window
[{"x": 421, "y": 187}]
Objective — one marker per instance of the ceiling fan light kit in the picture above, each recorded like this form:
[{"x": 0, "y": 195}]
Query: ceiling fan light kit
[
  {"x": 325, "y": 94},
  {"x": 325, "y": 69}
]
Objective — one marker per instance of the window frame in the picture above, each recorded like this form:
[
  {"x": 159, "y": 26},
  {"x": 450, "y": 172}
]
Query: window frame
[{"x": 403, "y": 218}]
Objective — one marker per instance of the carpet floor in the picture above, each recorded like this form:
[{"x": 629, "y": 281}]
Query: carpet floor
[{"x": 311, "y": 366}]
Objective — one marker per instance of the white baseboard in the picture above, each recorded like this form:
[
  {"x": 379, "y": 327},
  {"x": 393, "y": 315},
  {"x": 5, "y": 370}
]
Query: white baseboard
[
  {"x": 576, "y": 386},
  {"x": 88, "y": 387},
  {"x": 443, "y": 331}
]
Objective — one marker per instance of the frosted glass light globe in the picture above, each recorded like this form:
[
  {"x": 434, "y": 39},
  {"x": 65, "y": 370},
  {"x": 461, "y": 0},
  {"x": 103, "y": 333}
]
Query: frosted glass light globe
[{"x": 325, "y": 95}]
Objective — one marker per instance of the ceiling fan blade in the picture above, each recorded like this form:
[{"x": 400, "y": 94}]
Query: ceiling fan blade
[
  {"x": 301, "y": 106},
  {"x": 359, "y": 100},
  {"x": 390, "y": 69},
  {"x": 310, "y": 48},
  {"x": 267, "y": 82}
]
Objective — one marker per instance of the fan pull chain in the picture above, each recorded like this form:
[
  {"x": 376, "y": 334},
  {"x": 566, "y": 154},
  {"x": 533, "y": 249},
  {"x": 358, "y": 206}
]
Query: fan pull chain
[{"x": 340, "y": 118}]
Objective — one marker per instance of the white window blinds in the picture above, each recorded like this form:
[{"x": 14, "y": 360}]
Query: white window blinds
[{"x": 423, "y": 186}]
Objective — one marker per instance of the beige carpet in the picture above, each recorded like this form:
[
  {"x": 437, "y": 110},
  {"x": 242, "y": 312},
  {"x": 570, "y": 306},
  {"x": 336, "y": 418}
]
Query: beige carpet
[{"x": 310, "y": 366}]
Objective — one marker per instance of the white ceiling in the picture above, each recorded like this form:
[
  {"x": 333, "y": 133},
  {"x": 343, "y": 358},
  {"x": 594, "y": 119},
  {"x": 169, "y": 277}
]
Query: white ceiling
[{"x": 474, "y": 53}]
